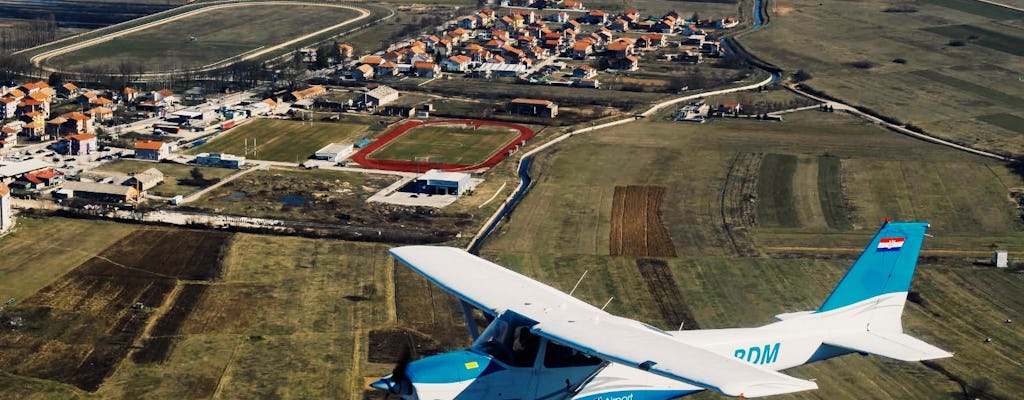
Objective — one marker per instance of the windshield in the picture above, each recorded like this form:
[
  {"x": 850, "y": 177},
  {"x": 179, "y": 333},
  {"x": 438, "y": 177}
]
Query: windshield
[{"x": 509, "y": 340}]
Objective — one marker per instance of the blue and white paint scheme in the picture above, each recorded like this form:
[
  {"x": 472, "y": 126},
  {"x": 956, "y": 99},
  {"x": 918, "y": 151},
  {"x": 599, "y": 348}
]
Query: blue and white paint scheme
[{"x": 545, "y": 344}]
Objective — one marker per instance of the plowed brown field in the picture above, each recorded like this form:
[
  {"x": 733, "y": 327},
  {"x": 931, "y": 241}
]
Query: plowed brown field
[{"x": 636, "y": 227}]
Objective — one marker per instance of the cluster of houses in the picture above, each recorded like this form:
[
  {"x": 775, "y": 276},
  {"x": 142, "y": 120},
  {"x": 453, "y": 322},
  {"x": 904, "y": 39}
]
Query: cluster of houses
[
  {"x": 26, "y": 112},
  {"x": 487, "y": 45}
]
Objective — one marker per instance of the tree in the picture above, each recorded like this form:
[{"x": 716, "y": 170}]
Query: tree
[{"x": 55, "y": 79}]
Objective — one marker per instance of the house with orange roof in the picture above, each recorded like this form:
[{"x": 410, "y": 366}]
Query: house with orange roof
[
  {"x": 584, "y": 71},
  {"x": 35, "y": 129},
  {"x": 533, "y": 107},
  {"x": 30, "y": 105},
  {"x": 103, "y": 102},
  {"x": 596, "y": 17},
  {"x": 129, "y": 94},
  {"x": 581, "y": 49},
  {"x": 346, "y": 50},
  {"x": 38, "y": 179},
  {"x": 620, "y": 48},
  {"x": 9, "y": 135},
  {"x": 619, "y": 25},
  {"x": 68, "y": 90},
  {"x": 165, "y": 96},
  {"x": 100, "y": 113},
  {"x": 426, "y": 69},
  {"x": 627, "y": 63},
  {"x": 457, "y": 63},
  {"x": 372, "y": 60},
  {"x": 387, "y": 68},
  {"x": 152, "y": 150},
  {"x": 727, "y": 23},
  {"x": 76, "y": 122},
  {"x": 573, "y": 5},
  {"x": 363, "y": 72},
  {"x": 82, "y": 144}
]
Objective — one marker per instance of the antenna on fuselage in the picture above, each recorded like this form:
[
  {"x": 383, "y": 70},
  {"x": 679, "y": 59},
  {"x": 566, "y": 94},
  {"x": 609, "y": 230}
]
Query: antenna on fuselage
[
  {"x": 681, "y": 323},
  {"x": 607, "y": 303},
  {"x": 578, "y": 282}
]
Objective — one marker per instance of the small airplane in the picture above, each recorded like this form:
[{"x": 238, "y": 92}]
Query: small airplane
[{"x": 542, "y": 343}]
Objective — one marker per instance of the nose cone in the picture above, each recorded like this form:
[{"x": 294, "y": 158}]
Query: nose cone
[{"x": 383, "y": 384}]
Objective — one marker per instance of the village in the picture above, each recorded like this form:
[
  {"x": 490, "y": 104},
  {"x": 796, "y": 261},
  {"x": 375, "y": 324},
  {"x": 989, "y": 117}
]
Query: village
[{"x": 52, "y": 131}]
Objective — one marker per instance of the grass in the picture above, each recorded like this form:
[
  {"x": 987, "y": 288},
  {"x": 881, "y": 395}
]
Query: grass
[
  {"x": 963, "y": 196},
  {"x": 825, "y": 41},
  {"x": 830, "y": 188},
  {"x": 446, "y": 144},
  {"x": 775, "y": 205},
  {"x": 1006, "y": 121},
  {"x": 305, "y": 340},
  {"x": 312, "y": 195},
  {"x": 282, "y": 140},
  {"x": 979, "y": 8},
  {"x": 219, "y": 34},
  {"x": 979, "y": 90},
  {"x": 172, "y": 174},
  {"x": 39, "y": 251},
  {"x": 994, "y": 40}
]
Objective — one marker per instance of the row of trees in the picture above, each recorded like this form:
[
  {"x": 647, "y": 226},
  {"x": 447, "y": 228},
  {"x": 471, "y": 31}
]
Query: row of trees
[{"x": 24, "y": 34}]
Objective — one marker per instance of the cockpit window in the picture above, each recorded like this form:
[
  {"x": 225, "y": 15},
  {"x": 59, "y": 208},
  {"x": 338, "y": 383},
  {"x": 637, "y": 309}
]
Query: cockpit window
[
  {"x": 509, "y": 340},
  {"x": 559, "y": 356}
]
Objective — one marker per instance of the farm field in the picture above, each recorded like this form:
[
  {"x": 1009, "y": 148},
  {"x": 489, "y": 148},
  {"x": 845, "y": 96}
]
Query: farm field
[
  {"x": 77, "y": 329},
  {"x": 282, "y": 140},
  {"x": 206, "y": 38},
  {"x": 174, "y": 174},
  {"x": 840, "y": 169},
  {"x": 449, "y": 144},
  {"x": 941, "y": 67}
]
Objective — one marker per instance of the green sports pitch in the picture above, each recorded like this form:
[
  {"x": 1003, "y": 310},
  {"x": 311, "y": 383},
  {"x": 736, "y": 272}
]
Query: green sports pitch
[{"x": 448, "y": 144}]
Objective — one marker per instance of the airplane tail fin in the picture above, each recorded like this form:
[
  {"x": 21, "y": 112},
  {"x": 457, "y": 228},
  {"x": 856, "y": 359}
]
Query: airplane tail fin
[{"x": 867, "y": 305}]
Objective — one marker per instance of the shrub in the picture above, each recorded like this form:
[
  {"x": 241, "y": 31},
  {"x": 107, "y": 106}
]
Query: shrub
[
  {"x": 957, "y": 43},
  {"x": 899, "y": 61}
]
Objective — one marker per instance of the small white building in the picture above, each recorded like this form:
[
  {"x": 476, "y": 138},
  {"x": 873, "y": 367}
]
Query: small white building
[
  {"x": 6, "y": 209},
  {"x": 335, "y": 152},
  {"x": 436, "y": 181},
  {"x": 1001, "y": 259}
]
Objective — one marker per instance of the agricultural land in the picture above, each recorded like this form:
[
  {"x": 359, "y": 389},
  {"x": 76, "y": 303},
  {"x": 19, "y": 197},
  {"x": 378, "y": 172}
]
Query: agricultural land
[
  {"x": 765, "y": 218},
  {"x": 950, "y": 67}
]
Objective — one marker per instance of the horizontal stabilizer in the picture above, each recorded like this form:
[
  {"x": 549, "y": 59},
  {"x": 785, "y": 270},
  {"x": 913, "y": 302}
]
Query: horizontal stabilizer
[
  {"x": 785, "y": 316},
  {"x": 897, "y": 346}
]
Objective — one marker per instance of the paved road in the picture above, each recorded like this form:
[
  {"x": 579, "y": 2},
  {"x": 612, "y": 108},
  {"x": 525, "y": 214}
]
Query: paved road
[{"x": 846, "y": 107}]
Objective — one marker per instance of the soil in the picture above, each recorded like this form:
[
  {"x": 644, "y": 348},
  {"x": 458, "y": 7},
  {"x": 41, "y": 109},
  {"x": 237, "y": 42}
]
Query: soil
[
  {"x": 636, "y": 226},
  {"x": 663, "y": 288},
  {"x": 79, "y": 328}
]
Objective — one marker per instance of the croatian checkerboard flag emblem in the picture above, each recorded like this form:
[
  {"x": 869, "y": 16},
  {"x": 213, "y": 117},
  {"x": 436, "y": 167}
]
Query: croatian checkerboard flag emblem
[{"x": 890, "y": 244}]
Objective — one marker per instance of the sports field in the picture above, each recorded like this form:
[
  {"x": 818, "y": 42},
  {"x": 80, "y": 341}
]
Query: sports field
[
  {"x": 814, "y": 189},
  {"x": 282, "y": 140},
  {"x": 448, "y": 144},
  {"x": 205, "y": 38},
  {"x": 942, "y": 65}
]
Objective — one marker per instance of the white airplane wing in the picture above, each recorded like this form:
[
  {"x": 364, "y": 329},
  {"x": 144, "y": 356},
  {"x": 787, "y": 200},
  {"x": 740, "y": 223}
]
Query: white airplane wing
[{"x": 573, "y": 322}]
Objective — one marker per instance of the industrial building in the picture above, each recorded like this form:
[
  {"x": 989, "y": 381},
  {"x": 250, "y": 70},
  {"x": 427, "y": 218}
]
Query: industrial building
[
  {"x": 9, "y": 172},
  {"x": 220, "y": 160},
  {"x": 145, "y": 180},
  {"x": 436, "y": 181},
  {"x": 335, "y": 152},
  {"x": 104, "y": 192},
  {"x": 534, "y": 107}
]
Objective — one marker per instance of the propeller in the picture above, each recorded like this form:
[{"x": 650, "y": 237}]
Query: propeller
[{"x": 399, "y": 382}]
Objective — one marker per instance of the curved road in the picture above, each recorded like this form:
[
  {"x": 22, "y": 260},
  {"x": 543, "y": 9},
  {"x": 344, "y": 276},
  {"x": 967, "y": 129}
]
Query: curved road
[{"x": 40, "y": 58}]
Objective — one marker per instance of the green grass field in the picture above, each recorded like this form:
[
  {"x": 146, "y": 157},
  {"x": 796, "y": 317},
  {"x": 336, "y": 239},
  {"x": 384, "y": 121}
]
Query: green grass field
[
  {"x": 1005, "y": 121},
  {"x": 879, "y": 173},
  {"x": 937, "y": 86},
  {"x": 172, "y": 173},
  {"x": 775, "y": 206},
  {"x": 446, "y": 144},
  {"x": 39, "y": 251},
  {"x": 282, "y": 140},
  {"x": 219, "y": 34}
]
